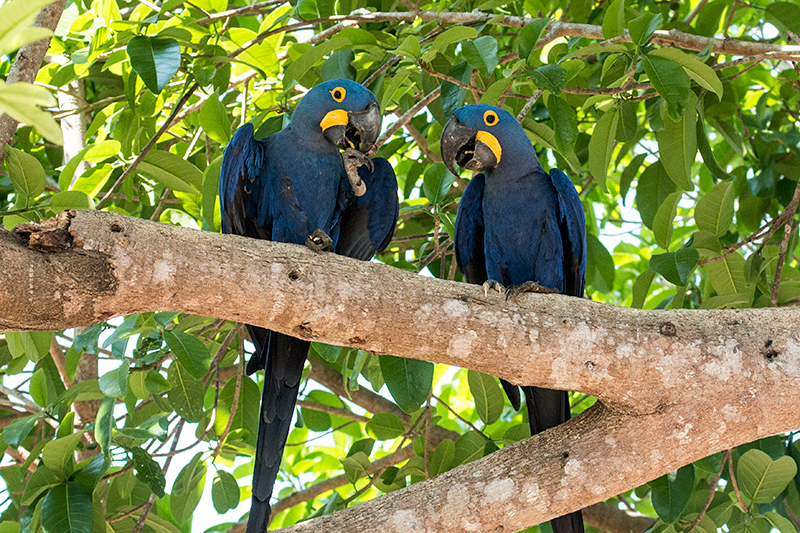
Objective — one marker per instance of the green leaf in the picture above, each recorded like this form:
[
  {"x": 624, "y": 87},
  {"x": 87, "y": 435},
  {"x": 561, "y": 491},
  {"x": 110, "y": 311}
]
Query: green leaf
[
  {"x": 596, "y": 48},
  {"x": 185, "y": 394},
  {"x": 781, "y": 523},
  {"x": 784, "y": 15},
  {"x": 488, "y": 396},
  {"x": 104, "y": 425},
  {"x": 18, "y": 430},
  {"x": 760, "y": 478},
  {"x": 173, "y": 171},
  {"x": 70, "y": 200},
  {"x": 714, "y": 211},
  {"x": 663, "y": 221},
  {"x": 551, "y": 78},
  {"x": 442, "y": 457},
  {"x": 614, "y": 19},
  {"x": 600, "y": 270},
  {"x": 452, "y": 35},
  {"x": 727, "y": 275},
  {"x": 671, "y": 493},
  {"x": 26, "y": 173},
  {"x": 529, "y": 35},
  {"x": 41, "y": 480},
  {"x": 641, "y": 287},
  {"x": 601, "y": 146},
  {"x": 188, "y": 489},
  {"x": 565, "y": 123},
  {"x": 481, "y": 53},
  {"x": 495, "y": 91},
  {"x": 437, "y": 182},
  {"x": 214, "y": 120},
  {"x": 225, "y": 492},
  {"x": 22, "y": 100},
  {"x": 385, "y": 426},
  {"x": 155, "y": 60},
  {"x": 410, "y": 47},
  {"x": 642, "y": 27},
  {"x": 38, "y": 388},
  {"x": 677, "y": 146},
  {"x": 355, "y": 465},
  {"x": 16, "y": 20},
  {"x": 148, "y": 471},
  {"x": 469, "y": 447},
  {"x": 675, "y": 266},
  {"x": 67, "y": 507},
  {"x": 94, "y": 153},
  {"x": 298, "y": 68},
  {"x": 190, "y": 352},
  {"x": 409, "y": 380},
  {"x": 653, "y": 188},
  {"x": 59, "y": 455},
  {"x": 704, "y": 75},
  {"x": 670, "y": 80}
]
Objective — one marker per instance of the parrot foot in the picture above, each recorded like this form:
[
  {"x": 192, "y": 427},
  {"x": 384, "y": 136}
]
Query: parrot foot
[
  {"x": 528, "y": 286},
  {"x": 353, "y": 159},
  {"x": 490, "y": 285},
  {"x": 319, "y": 241}
]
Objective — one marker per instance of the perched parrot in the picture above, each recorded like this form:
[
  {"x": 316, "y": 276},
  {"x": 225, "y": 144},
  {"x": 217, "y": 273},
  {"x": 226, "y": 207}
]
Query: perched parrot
[
  {"x": 518, "y": 228},
  {"x": 296, "y": 186}
]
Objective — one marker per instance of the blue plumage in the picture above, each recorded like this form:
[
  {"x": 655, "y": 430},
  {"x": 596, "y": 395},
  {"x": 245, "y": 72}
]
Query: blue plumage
[
  {"x": 286, "y": 188},
  {"x": 517, "y": 224}
]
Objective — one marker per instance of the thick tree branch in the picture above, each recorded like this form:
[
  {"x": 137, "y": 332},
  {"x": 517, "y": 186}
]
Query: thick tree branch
[{"x": 677, "y": 385}]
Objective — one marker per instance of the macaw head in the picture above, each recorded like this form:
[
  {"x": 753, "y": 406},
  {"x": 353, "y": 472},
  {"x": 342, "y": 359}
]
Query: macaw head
[
  {"x": 346, "y": 112},
  {"x": 481, "y": 137}
]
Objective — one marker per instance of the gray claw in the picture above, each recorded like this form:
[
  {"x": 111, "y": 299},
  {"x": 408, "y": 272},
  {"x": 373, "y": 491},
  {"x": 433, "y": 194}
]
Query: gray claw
[
  {"x": 490, "y": 285},
  {"x": 319, "y": 241},
  {"x": 528, "y": 286}
]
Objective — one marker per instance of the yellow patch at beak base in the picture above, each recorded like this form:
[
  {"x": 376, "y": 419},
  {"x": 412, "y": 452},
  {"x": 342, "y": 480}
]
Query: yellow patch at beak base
[
  {"x": 337, "y": 117},
  {"x": 491, "y": 141}
]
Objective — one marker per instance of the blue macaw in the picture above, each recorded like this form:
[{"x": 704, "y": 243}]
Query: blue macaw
[
  {"x": 296, "y": 186},
  {"x": 517, "y": 227}
]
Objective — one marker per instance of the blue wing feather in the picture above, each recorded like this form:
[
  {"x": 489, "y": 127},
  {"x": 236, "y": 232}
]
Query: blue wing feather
[
  {"x": 572, "y": 221},
  {"x": 241, "y": 186},
  {"x": 470, "y": 254},
  {"x": 367, "y": 223}
]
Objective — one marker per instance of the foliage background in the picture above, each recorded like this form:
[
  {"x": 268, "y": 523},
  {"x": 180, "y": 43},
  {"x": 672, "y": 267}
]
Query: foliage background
[{"x": 686, "y": 159}]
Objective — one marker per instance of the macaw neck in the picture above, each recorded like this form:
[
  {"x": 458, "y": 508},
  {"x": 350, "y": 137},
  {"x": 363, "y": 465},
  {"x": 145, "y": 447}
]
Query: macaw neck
[
  {"x": 516, "y": 161},
  {"x": 309, "y": 138}
]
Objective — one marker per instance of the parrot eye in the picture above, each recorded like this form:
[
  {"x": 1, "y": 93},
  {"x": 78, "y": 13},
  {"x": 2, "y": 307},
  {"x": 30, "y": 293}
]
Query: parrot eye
[
  {"x": 490, "y": 118},
  {"x": 338, "y": 94}
]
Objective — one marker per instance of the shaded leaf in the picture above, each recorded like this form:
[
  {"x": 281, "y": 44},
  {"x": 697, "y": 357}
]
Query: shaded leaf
[
  {"x": 188, "y": 489},
  {"x": 601, "y": 146},
  {"x": 704, "y": 75},
  {"x": 409, "y": 380},
  {"x": 671, "y": 493},
  {"x": 663, "y": 221},
  {"x": 385, "y": 426},
  {"x": 26, "y": 173},
  {"x": 225, "y": 492},
  {"x": 671, "y": 81},
  {"x": 488, "y": 396},
  {"x": 481, "y": 53},
  {"x": 148, "y": 471},
  {"x": 172, "y": 171},
  {"x": 551, "y": 78},
  {"x": 185, "y": 394},
  {"x": 67, "y": 507},
  {"x": 677, "y": 146},
  {"x": 155, "y": 60},
  {"x": 714, "y": 210},
  {"x": 675, "y": 266}
]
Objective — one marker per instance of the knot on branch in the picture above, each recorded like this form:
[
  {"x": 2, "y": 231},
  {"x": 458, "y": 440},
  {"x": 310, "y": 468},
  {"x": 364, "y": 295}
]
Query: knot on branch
[{"x": 51, "y": 235}]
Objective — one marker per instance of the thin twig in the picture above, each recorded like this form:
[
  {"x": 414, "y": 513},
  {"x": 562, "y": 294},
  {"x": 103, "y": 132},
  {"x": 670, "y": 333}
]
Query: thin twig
[
  {"x": 408, "y": 115},
  {"x": 529, "y": 104},
  {"x": 167, "y": 125},
  {"x": 744, "y": 507},
  {"x": 712, "y": 488},
  {"x": 467, "y": 422},
  {"x": 235, "y": 404}
]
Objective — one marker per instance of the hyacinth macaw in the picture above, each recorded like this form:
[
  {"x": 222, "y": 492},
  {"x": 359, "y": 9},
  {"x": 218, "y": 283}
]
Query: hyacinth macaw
[
  {"x": 296, "y": 186},
  {"x": 518, "y": 228}
]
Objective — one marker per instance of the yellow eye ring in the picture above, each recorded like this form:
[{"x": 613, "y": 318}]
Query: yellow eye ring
[
  {"x": 490, "y": 118},
  {"x": 338, "y": 94}
]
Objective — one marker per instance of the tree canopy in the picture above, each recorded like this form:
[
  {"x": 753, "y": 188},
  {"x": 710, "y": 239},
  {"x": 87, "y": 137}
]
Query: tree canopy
[{"x": 677, "y": 122}]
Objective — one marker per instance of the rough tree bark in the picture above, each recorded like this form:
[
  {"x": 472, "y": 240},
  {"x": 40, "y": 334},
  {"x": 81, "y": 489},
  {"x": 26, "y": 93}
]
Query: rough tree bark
[{"x": 675, "y": 385}]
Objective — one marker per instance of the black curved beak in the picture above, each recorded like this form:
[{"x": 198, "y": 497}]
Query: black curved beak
[
  {"x": 460, "y": 145},
  {"x": 360, "y": 132}
]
